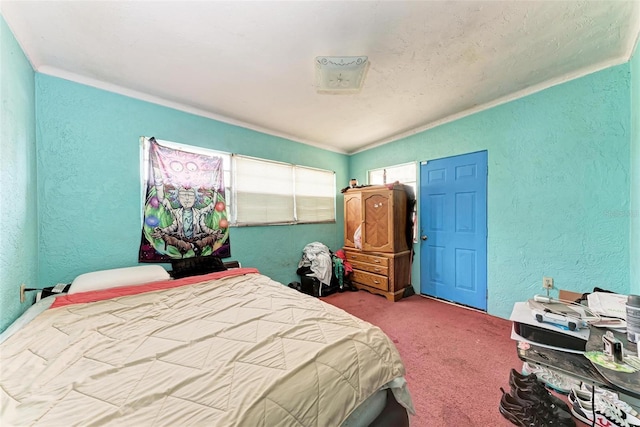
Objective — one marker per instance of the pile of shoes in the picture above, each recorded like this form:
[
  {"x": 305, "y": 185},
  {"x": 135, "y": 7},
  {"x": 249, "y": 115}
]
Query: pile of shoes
[
  {"x": 530, "y": 404},
  {"x": 589, "y": 403}
]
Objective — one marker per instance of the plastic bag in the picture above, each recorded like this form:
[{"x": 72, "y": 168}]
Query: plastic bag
[{"x": 357, "y": 237}]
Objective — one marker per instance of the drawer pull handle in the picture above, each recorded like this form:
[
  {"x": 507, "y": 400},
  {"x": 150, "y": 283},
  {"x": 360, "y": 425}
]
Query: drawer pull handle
[
  {"x": 376, "y": 282},
  {"x": 376, "y": 269},
  {"x": 377, "y": 261}
]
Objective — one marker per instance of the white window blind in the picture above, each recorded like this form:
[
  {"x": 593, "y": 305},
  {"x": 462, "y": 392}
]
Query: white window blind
[
  {"x": 315, "y": 195},
  {"x": 405, "y": 174},
  {"x": 264, "y": 191}
]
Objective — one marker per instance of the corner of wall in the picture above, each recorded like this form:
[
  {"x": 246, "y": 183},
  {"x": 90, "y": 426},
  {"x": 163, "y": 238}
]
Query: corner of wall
[
  {"x": 634, "y": 191},
  {"x": 18, "y": 178}
]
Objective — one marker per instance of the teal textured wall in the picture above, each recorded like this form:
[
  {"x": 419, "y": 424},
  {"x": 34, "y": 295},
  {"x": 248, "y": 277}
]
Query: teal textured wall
[
  {"x": 558, "y": 185},
  {"x": 18, "y": 208},
  {"x": 89, "y": 181},
  {"x": 635, "y": 173}
]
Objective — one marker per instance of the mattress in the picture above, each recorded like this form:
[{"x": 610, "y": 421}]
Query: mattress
[{"x": 232, "y": 348}]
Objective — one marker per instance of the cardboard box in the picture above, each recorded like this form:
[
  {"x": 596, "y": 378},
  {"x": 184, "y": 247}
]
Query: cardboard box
[{"x": 569, "y": 295}]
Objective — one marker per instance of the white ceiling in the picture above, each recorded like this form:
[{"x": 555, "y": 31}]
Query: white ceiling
[{"x": 252, "y": 63}]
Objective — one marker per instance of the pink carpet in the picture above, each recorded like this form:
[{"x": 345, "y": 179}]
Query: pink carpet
[{"x": 456, "y": 358}]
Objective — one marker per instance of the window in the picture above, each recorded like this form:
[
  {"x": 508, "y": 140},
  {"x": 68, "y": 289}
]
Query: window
[
  {"x": 315, "y": 195},
  {"x": 269, "y": 192},
  {"x": 261, "y": 192},
  {"x": 405, "y": 174},
  {"x": 264, "y": 191}
]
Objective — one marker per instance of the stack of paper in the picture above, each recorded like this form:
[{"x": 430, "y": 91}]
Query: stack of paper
[{"x": 609, "y": 305}]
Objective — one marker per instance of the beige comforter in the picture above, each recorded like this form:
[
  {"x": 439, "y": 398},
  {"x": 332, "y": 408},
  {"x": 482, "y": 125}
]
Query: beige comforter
[{"x": 243, "y": 351}]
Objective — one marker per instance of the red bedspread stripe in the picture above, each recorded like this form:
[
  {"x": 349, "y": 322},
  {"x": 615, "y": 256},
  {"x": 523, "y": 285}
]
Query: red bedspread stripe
[{"x": 93, "y": 296}]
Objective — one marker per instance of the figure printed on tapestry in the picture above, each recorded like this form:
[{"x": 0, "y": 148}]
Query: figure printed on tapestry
[{"x": 185, "y": 210}]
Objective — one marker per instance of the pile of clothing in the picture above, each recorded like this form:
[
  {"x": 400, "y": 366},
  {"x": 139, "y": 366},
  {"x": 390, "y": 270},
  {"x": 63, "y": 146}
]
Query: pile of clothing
[{"x": 330, "y": 270}]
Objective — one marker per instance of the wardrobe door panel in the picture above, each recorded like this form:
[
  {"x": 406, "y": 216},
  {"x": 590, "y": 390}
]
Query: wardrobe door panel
[
  {"x": 352, "y": 217},
  {"x": 377, "y": 233}
]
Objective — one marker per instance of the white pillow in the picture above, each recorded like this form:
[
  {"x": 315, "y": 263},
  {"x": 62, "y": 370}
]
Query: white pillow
[{"x": 105, "y": 279}]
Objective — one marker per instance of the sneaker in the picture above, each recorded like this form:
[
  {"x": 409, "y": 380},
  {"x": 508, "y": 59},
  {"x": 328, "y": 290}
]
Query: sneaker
[
  {"x": 605, "y": 413},
  {"x": 543, "y": 405},
  {"x": 612, "y": 396},
  {"x": 552, "y": 379},
  {"x": 523, "y": 414},
  {"x": 522, "y": 377},
  {"x": 530, "y": 385}
]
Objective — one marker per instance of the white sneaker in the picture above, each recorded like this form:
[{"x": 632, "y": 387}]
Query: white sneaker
[
  {"x": 606, "y": 413},
  {"x": 552, "y": 379},
  {"x": 612, "y": 396}
]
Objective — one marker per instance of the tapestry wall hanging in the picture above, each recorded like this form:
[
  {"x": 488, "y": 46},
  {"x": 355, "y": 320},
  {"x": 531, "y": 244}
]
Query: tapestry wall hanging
[{"x": 185, "y": 207}]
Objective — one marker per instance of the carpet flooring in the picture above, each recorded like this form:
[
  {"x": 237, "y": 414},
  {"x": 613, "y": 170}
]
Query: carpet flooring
[{"x": 456, "y": 358}]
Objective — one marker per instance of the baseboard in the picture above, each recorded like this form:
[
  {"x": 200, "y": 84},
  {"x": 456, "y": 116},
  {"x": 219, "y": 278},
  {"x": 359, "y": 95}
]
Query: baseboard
[{"x": 453, "y": 303}]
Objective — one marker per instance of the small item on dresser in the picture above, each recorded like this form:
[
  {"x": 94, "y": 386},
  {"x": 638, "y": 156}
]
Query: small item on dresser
[{"x": 612, "y": 347}]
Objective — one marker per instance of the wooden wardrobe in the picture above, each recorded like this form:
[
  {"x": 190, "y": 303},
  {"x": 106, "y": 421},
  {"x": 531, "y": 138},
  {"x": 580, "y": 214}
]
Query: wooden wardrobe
[{"x": 382, "y": 262}]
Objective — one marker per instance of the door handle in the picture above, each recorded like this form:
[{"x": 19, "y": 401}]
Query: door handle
[{"x": 423, "y": 237}]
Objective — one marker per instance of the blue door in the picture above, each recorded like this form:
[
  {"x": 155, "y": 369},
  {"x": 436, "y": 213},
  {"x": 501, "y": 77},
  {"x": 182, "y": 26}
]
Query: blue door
[{"x": 453, "y": 223}]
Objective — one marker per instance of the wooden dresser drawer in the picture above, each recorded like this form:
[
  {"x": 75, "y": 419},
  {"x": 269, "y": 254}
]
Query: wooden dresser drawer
[
  {"x": 371, "y": 268},
  {"x": 370, "y": 259},
  {"x": 369, "y": 279}
]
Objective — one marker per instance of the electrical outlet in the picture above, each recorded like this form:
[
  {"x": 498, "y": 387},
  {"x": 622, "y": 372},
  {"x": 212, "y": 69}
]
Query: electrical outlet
[
  {"x": 22, "y": 288},
  {"x": 547, "y": 282}
]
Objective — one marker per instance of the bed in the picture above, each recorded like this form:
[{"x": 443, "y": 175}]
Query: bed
[{"x": 230, "y": 348}]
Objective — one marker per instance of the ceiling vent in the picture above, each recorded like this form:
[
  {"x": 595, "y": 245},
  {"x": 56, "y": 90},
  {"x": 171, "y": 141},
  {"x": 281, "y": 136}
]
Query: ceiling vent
[{"x": 340, "y": 74}]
